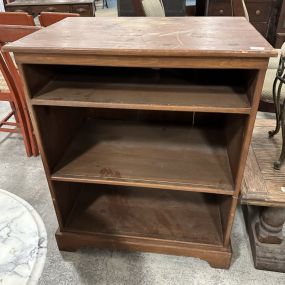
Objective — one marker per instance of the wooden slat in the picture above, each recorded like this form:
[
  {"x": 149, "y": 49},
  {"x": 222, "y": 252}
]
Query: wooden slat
[
  {"x": 143, "y": 61},
  {"x": 134, "y": 154},
  {"x": 254, "y": 184},
  {"x": 263, "y": 184}
]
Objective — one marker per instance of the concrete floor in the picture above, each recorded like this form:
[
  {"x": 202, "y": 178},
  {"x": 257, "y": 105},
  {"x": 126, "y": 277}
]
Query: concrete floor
[{"x": 25, "y": 177}]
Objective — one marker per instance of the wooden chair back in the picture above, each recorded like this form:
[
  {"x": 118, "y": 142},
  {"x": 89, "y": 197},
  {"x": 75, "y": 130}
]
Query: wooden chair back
[
  {"x": 149, "y": 8},
  {"x": 16, "y": 18},
  {"x": 48, "y": 18},
  {"x": 15, "y": 95},
  {"x": 11, "y": 33},
  {"x": 153, "y": 8}
]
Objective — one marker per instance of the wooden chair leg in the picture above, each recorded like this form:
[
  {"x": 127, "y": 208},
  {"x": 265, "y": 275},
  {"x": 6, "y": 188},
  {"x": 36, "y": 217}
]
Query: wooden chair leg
[
  {"x": 24, "y": 131},
  {"x": 12, "y": 105},
  {"x": 18, "y": 110},
  {"x": 15, "y": 74}
]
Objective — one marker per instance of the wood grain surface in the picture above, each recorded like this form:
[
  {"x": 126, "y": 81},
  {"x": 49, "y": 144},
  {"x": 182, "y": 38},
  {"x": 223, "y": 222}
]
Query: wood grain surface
[
  {"x": 147, "y": 213},
  {"x": 171, "y": 36},
  {"x": 135, "y": 154},
  {"x": 262, "y": 183},
  {"x": 176, "y": 90}
]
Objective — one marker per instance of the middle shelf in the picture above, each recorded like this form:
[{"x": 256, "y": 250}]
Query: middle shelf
[{"x": 148, "y": 155}]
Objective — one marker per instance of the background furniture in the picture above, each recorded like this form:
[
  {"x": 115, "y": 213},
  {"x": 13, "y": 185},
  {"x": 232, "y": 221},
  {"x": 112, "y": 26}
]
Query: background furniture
[
  {"x": 280, "y": 37},
  {"x": 144, "y": 145},
  {"x": 15, "y": 93},
  {"x": 105, "y": 4},
  {"x": 128, "y": 8},
  {"x": 48, "y": 18},
  {"x": 153, "y": 8},
  {"x": 25, "y": 243},
  {"x": 263, "y": 194},
  {"x": 272, "y": 98},
  {"x": 17, "y": 112},
  {"x": 279, "y": 104},
  {"x": 2, "y": 9},
  {"x": 267, "y": 16},
  {"x": 86, "y": 8},
  {"x": 16, "y": 18}
]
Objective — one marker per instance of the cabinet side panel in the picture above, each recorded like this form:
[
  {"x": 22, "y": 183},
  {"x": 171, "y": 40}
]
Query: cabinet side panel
[
  {"x": 57, "y": 126},
  {"x": 66, "y": 195},
  {"x": 227, "y": 212},
  {"x": 36, "y": 76},
  {"x": 254, "y": 92},
  {"x": 53, "y": 134},
  {"x": 234, "y": 132}
]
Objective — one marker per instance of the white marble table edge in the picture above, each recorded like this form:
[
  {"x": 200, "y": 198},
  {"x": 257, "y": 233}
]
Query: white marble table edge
[{"x": 42, "y": 246}]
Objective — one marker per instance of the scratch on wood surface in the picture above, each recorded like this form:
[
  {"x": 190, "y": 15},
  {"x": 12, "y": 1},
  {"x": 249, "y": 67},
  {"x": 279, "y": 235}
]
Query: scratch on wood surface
[
  {"x": 175, "y": 33},
  {"x": 179, "y": 40}
]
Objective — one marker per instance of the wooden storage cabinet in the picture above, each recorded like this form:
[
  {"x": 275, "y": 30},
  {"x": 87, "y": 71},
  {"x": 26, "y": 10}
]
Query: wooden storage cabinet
[
  {"x": 130, "y": 160},
  {"x": 144, "y": 145}
]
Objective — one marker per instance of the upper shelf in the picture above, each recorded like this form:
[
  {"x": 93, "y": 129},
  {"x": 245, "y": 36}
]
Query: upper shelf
[
  {"x": 146, "y": 89},
  {"x": 141, "y": 37},
  {"x": 221, "y": 99}
]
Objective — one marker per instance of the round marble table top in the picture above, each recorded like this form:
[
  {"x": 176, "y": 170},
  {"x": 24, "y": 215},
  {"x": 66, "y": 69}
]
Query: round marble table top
[{"x": 23, "y": 241}]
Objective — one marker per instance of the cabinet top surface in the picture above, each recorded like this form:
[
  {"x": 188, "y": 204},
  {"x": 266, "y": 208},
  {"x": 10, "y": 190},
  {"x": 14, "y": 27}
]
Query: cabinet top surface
[{"x": 173, "y": 36}]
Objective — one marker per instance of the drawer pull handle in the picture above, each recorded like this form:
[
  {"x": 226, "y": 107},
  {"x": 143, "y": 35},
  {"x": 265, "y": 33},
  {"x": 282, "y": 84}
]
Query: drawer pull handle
[
  {"x": 257, "y": 12},
  {"x": 221, "y": 12},
  {"x": 80, "y": 10}
]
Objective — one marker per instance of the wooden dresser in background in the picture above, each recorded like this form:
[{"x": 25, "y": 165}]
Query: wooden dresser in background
[
  {"x": 267, "y": 16},
  {"x": 86, "y": 8}
]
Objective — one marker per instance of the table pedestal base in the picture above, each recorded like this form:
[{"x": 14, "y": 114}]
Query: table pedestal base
[{"x": 265, "y": 234}]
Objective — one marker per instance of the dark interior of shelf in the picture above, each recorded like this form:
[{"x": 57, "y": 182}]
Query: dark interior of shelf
[
  {"x": 148, "y": 153},
  {"x": 147, "y": 213},
  {"x": 144, "y": 88}
]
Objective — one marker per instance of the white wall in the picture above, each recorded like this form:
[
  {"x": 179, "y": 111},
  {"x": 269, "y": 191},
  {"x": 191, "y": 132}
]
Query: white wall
[{"x": 1, "y": 6}]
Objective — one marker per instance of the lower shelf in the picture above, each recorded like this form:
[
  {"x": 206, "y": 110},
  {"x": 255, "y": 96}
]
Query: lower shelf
[
  {"x": 143, "y": 219},
  {"x": 147, "y": 214}
]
